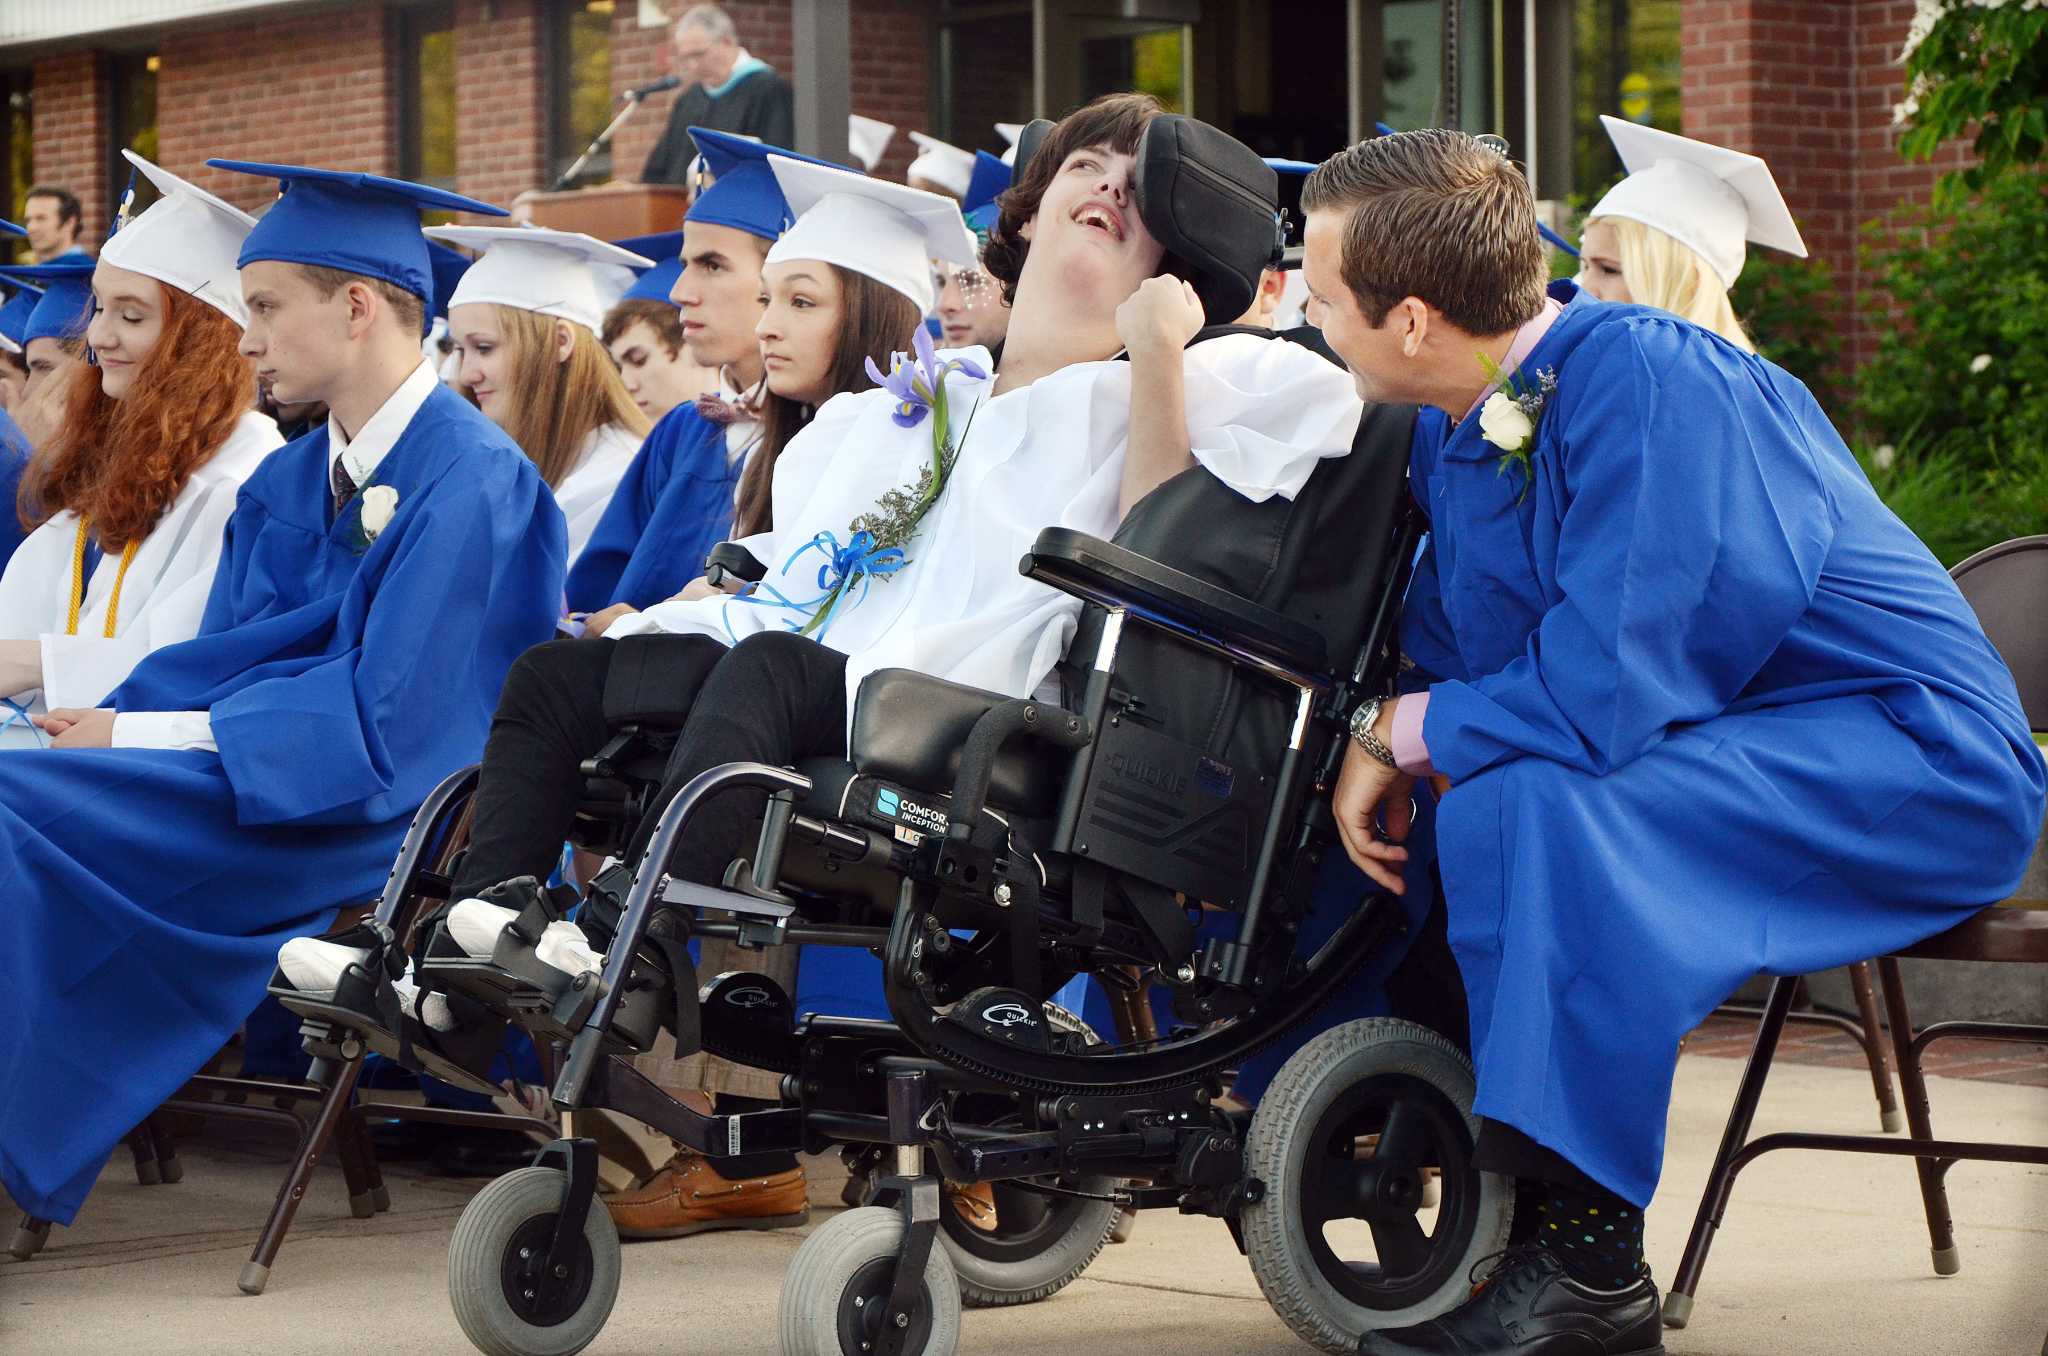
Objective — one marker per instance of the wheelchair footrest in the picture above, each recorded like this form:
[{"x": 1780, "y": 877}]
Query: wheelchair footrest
[
  {"x": 548, "y": 1003},
  {"x": 748, "y": 1019}
]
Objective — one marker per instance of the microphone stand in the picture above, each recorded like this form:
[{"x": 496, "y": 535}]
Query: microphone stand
[{"x": 633, "y": 102}]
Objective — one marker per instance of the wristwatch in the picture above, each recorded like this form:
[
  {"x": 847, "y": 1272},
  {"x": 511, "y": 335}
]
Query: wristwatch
[{"x": 1361, "y": 731}]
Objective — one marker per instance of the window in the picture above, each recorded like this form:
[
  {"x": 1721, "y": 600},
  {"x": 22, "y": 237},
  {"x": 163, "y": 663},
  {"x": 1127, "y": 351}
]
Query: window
[
  {"x": 17, "y": 153},
  {"x": 579, "y": 55},
  {"x": 983, "y": 75},
  {"x": 131, "y": 86},
  {"x": 426, "y": 94},
  {"x": 1412, "y": 65},
  {"x": 1624, "y": 63}
]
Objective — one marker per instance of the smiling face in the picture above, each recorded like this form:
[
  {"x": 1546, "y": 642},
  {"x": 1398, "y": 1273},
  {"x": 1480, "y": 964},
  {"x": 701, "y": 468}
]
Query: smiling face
[
  {"x": 296, "y": 338},
  {"x": 719, "y": 292},
  {"x": 1374, "y": 353},
  {"x": 1087, "y": 234},
  {"x": 129, "y": 310},
  {"x": 1600, "y": 263},
  {"x": 485, "y": 358},
  {"x": 803, "y": 301}
]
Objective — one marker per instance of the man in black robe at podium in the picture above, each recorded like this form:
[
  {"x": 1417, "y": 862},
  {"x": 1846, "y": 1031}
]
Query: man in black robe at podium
[{"x": 725, "y": 89}]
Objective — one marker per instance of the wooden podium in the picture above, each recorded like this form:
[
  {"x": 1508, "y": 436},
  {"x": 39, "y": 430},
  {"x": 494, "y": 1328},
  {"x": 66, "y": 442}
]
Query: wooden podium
[{"x": 613, "y": 211}]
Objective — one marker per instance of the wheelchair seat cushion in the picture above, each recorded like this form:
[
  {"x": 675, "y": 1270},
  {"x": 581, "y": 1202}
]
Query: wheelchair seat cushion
[{"x": 910, "y": 727}]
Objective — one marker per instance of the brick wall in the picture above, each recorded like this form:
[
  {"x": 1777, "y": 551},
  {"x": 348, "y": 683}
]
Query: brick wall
[
  {"x": 500, "y": 93},
  {"x": 71, "y": 134},
  {"x": 890, "y": 79},
  {"x": 1810, "y": 87},
  {"x": 323, "y": 98}
]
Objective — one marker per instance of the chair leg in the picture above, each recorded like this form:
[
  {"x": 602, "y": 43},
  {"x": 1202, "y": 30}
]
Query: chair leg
[
  {"x": 1888, "y": 1117},
  {"x": 168, "y": 1166},
  {"x": 1919, "y": 1122},
  {"x": 348, "y": 1152},
  {"x": 32, "y": 1233},
  {"x": 1721, "y": 1180},
  {"x": 373, "y": 1172},
  {"x": 340, "y": 1081},
  {"x": 142, "y": 1144}
]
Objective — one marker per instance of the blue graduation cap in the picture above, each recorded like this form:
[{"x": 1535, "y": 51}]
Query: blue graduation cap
[
  {"x": 66, "y": 304},
  {"x": 990, "y": 180},
  {"x": 358, "y": 223},
  {"x": 14, "y": 316},
  {"x": 744, "y": 194},
  {"x": 447, "y": 266},
  {"x": 9, "y": 228},
  {"x": 654, "y": 284}
]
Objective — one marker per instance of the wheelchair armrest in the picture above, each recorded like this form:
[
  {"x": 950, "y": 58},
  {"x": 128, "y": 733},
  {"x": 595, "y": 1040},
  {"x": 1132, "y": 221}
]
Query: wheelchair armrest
[
  {"x": 729, "y": 558},
  {"x": 1106, "y": 574}
]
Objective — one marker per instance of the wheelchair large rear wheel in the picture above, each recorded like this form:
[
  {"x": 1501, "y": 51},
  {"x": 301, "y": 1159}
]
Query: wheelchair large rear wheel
[
  {"x": 1342, "y": 1242},
  {"x": 838, "y": 1285},
  {"x": 489, "y": 1264}
]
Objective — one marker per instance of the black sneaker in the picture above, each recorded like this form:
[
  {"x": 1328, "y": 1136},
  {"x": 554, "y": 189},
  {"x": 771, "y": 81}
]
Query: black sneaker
[{"x": 1528, "y": 1306}]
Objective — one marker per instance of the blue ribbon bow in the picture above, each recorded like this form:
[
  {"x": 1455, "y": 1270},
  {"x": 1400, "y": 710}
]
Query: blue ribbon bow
[
  {"x": 855, "y": 563},
  {"x": 20, "y": 717}
]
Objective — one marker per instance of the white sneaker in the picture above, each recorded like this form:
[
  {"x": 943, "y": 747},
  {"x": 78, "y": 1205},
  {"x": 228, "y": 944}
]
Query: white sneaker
[
  {"x": 476, "y": 925},
  {"x": 563, "y": 947},
  {"x": 315, "y": 967}
]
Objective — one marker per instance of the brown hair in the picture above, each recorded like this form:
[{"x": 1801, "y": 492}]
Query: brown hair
[
  {"x": 875, "y": 321},
  {"x": 1115, "y": 121},
  {"x": 1440, "y": 216},
  {"x": 119, "y": 464},
  {"x": 406, "y": 308},
  {"x": 560, "y": 402},
  {"x": 662, "y": 317}
]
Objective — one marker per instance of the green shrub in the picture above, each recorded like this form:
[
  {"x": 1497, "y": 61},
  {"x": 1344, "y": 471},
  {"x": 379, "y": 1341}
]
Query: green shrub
[
  {"x": 1959, "y": 504},
  {"x": 1791, "y": 311},
  {"x": 1962, "y": 302}
]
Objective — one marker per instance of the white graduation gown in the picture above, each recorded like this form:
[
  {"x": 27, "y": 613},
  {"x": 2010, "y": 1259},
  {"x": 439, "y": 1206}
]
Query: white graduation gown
[
  {"x": 163, "y": 595},
  {"x": 583, "y": 494},
  {"x": 1261, "y": 414}
]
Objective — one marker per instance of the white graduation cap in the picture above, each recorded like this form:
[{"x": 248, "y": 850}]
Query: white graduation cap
[
  {"x": 868, "y": 139},
  {"x": 888, "y": 232},
  {"x": 949, "y": 167},
  {"x": 187, "y": 238},
  {"x": 1010, "y": 132},
  {"x": 1706, "y": 197},
  {"x": 565, "y": 274}
]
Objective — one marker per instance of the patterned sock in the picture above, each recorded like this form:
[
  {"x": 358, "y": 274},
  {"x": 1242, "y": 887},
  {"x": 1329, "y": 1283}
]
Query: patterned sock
[{"x": 1596, "y": 1236}]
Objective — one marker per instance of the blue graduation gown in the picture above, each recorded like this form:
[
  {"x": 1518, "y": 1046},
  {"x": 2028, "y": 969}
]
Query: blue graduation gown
[
  {"x": 14, "y": 450},
  {"x": 1710, "y": 709},
  {"x": 671, "y": 507},
  {"x": 149, "y": 889}
]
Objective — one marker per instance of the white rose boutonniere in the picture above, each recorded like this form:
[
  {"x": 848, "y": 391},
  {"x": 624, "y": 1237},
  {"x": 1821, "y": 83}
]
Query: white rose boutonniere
[
  {"x": 380, "y": 502},
  {"x": 1509, "y": 417}
]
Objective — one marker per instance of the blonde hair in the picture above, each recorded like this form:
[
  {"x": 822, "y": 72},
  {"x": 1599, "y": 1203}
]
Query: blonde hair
[
  {"x": 561, "y": 402},
  {"x": 1663, "y": 273}
]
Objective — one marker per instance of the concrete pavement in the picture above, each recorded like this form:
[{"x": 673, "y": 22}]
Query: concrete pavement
[{"x": 1822, "y": 1255}]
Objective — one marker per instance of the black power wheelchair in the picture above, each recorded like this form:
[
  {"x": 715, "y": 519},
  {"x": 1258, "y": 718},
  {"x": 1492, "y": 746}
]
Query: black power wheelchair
[{"x": 1165, "y": 824}]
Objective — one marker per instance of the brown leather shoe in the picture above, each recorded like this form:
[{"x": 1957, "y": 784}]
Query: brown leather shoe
[
  {"x": 689, "y": 1197},
  {"x": 976, "y": 1204}
]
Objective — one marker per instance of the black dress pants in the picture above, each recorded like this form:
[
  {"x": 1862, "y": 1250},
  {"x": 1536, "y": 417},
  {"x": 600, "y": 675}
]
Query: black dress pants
[{"x": 774, "y": 698}]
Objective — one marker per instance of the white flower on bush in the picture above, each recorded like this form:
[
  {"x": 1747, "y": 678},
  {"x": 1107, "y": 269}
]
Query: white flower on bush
[
  {"x": 1504, "y": 423},
  {"x": 380, "y": 502},
  {"x": 1884, "y": 456},
  {"x": 1979, "y": 363}
]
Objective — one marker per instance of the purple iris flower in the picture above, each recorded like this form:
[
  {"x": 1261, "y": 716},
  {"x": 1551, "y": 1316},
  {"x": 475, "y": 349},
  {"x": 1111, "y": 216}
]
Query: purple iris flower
[{"x": 915, "y": 380}]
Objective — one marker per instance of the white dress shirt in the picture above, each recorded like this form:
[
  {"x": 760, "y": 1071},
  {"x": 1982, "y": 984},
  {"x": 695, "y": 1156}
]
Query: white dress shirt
[{"x": 361, "y": 455}]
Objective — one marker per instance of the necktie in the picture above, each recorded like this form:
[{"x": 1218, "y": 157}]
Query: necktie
[{"x": 344, "y": 487}]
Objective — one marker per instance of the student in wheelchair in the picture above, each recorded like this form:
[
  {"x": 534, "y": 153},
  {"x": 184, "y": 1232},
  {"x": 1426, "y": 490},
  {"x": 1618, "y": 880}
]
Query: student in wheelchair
[{"x": 1210, "y": 737}]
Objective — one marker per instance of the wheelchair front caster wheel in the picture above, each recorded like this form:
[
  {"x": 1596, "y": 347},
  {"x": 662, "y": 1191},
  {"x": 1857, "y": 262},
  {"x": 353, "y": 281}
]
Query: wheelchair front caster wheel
[
  {"x": 838, "y": 1285},
  {"x": 501, "y": 1302}
]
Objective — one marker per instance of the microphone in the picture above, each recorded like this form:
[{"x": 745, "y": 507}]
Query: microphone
[{"x": 661, "y": 86}]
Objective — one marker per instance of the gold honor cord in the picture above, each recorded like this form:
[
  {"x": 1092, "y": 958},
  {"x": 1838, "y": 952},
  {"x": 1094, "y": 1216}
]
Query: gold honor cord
[{"x": 78, "y": 582}]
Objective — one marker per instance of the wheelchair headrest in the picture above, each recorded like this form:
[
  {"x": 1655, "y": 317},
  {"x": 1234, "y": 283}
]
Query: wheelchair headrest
[{"x": 1208, "y": 198}]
